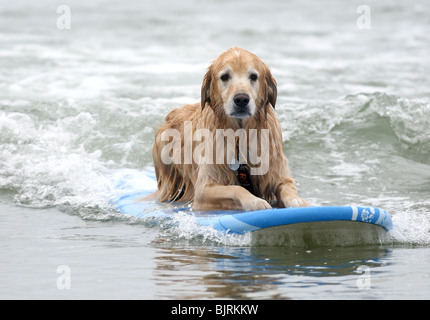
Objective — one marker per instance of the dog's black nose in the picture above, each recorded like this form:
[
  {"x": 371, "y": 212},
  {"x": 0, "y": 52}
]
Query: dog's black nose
[{"x": 241, "y": 100}]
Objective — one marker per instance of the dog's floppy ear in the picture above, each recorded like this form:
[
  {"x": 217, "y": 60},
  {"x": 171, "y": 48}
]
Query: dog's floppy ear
[
  {"x": 272, "y": 91},
  {"x": 206, "y": 88}
]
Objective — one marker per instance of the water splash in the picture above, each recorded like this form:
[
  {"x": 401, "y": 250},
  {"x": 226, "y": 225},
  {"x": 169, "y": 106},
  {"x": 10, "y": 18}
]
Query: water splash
[
  {"x": 66, "y": 157},
  {"x": 409, "y": 119}
]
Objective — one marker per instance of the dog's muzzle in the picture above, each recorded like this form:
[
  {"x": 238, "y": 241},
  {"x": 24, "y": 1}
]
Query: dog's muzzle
[{"x": 241, "y": 106}]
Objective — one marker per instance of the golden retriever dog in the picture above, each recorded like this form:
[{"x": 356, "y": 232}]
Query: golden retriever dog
[{"x": 238, "y": 97}]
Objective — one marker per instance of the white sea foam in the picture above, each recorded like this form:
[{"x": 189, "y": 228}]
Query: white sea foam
[{"x": 56, "y": 162}]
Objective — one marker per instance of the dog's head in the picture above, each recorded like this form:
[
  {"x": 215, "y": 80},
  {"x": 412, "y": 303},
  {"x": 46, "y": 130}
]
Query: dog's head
[{"x": 238, "y": 84}]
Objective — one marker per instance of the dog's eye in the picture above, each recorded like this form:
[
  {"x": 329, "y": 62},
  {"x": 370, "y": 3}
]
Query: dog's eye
[
  {"x": 253, "y": 77},
  {"x": 225, "y": 77}
]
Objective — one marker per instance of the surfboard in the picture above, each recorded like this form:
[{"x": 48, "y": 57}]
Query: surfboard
[
  {"x": 249, "y": 221},
  {"x": 330, "y": 221}
]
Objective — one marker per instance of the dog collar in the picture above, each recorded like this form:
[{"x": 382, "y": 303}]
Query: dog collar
[
  {"x": 244, "y": 178},
  {"x": 240, "y": 166}
]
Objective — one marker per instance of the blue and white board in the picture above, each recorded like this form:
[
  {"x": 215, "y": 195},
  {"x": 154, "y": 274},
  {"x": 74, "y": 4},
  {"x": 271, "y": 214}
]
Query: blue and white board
[
  {"x": 323, "y": 219},
  {"x": 249, "y": 221}
]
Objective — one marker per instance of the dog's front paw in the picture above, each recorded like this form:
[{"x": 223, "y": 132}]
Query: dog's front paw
[
  {"x": 293, "y": 202},
  {"x": 256, "y": 204}
]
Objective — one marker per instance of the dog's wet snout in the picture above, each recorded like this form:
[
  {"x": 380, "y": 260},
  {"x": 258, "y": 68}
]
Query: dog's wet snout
[{"x": 241, "y": 100}]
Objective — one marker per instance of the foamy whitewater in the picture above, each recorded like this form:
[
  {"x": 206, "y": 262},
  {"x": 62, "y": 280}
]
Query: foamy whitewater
[{"x": 80, "y": 106}]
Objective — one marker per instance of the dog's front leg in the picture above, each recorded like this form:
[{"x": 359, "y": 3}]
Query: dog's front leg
[
  {"x": 219, "y": 197},
  {"x": 286, "y": 195}
]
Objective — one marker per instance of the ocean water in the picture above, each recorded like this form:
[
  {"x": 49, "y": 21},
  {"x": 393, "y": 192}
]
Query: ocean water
[{"x": 81, "y": 98}]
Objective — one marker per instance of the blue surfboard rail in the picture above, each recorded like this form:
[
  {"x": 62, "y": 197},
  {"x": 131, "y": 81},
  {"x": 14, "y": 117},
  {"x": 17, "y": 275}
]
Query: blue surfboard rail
[
  {"x": 241, "y": 222},
  {"x": 250, "y": 221},
  {"x": 133, "y": 185}
]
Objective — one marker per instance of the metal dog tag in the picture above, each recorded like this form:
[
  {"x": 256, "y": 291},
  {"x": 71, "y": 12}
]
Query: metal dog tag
[{"x": 234, "y": 164}]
